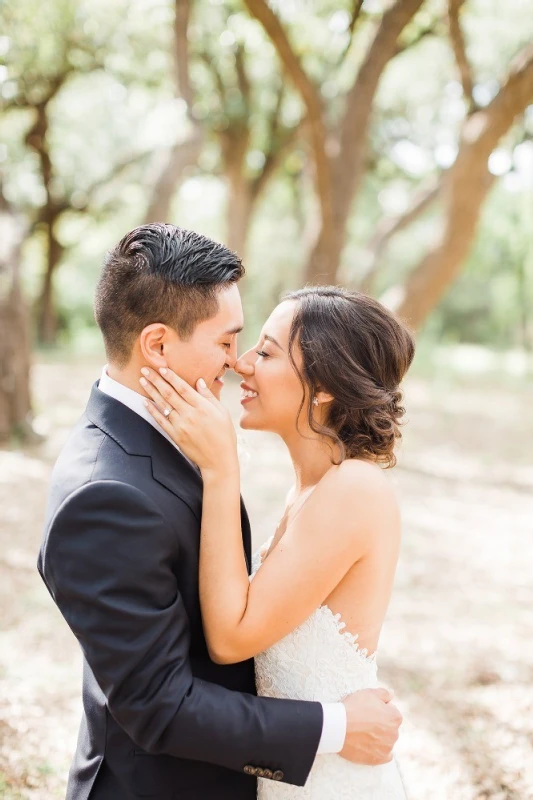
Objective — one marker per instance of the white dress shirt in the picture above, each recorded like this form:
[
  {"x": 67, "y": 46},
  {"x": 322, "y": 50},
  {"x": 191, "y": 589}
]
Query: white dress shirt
[{"x": 334, "y": 727}]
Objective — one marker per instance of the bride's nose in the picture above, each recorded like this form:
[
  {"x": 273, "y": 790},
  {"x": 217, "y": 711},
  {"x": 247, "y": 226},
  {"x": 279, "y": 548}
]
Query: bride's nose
[{"x": 245, "y": 364}]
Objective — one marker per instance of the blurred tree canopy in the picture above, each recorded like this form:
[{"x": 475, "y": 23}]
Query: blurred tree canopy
[{"x": 387, "y": 146}]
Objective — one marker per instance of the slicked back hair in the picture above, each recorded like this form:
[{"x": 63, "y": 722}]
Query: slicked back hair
[{"x": 160, "y": 273}]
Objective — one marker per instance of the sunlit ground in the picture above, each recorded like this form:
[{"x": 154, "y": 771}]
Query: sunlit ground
[{"x": 458, "y": 643}]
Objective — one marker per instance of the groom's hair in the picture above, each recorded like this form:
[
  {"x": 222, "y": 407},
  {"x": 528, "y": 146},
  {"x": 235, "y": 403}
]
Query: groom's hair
[{"x": 160, "y": 273}]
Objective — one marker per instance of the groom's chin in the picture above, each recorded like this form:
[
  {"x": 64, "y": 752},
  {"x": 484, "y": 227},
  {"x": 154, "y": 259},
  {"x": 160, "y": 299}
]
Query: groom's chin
[{"x": 216, "y": 388}]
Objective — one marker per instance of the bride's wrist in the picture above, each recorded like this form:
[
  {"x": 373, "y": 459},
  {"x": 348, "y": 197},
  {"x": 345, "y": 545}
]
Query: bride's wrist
[{"x": 225, "y": 472}]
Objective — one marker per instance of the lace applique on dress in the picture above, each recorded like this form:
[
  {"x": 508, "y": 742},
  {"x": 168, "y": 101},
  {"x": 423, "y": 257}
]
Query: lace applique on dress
[{"x": 321, "y": 661}]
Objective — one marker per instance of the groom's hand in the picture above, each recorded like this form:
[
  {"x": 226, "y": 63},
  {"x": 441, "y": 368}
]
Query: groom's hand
[{"x": 372, "y": 727}]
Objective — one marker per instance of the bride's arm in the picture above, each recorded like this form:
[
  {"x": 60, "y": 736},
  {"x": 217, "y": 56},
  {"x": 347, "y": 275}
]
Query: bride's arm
[
  {"x": 352, "y": 504},
  {"x": 329, "y": 535}
]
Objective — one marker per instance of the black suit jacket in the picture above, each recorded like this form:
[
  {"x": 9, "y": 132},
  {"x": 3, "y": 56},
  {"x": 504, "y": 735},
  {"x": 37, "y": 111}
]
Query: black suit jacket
[{"x": 120, "y": 558}]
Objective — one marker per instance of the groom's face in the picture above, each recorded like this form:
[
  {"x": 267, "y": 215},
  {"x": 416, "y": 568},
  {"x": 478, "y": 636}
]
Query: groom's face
[{"x": 212, "y": 348}]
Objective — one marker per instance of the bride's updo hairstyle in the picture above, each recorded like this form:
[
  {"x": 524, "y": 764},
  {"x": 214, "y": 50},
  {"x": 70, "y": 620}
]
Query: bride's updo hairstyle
[{"x": 357, "y": 351}]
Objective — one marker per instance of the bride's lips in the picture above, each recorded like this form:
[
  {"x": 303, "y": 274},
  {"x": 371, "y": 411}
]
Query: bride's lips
[{"x": 246, "y": 388}]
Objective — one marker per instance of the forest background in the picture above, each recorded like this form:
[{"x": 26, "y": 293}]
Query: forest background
[{"x": 384, "y": 146}]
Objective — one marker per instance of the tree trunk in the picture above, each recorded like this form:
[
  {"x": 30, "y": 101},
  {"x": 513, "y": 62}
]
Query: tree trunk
[
  {"x": 323, "y": 263},
  {"x": 234, "y": 148},
  {"x": 464, "y": 191},
  {"x": 15, "y": 402},
  {"x": 239, "y": 212},
  {"x": 181, "y": 157},
  {"x": 47, "y": 324},
  {"x": 348, "y": 166},
  {"x": 311, "y": 98}
]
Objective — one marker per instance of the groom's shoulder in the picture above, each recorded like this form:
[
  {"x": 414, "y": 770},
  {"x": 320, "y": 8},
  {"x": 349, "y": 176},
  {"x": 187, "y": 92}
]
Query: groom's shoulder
[
  {"x": 91, "y": 456},
  {"x": 90, "y": 453}
]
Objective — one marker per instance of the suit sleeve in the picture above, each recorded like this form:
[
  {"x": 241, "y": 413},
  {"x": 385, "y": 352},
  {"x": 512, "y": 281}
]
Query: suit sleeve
[{"x": 108, "y": 564}]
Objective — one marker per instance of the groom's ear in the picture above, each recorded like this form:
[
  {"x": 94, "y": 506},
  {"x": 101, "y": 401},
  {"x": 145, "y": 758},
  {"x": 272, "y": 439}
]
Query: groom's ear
[{"x": 154, "y": 342}]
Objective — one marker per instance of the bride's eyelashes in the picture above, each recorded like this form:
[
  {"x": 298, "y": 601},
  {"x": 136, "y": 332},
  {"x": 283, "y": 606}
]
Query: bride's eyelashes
[{"x": 262, "y": 353}]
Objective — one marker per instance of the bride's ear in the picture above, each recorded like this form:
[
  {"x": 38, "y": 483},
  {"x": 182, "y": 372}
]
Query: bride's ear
[
  {"x": 154, "y": 342},
  {"x": 323, "y": 397}
]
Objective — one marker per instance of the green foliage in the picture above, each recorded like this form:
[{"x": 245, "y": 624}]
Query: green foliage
[{"x": 115, "y": 112}]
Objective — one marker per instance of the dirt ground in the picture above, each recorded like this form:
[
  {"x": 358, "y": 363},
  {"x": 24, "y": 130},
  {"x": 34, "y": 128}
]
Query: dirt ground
[{"x": 457, "y": 646}]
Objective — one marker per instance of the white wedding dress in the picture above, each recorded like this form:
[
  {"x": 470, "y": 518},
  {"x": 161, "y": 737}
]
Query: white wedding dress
[{"x": 320, "y": 661}]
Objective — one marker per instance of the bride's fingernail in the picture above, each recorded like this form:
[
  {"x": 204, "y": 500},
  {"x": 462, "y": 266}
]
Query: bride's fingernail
[
  {"x": 143, "y": 381},
  {"x": 145, "y": 371},
  {"x": 163, "y": 370}
]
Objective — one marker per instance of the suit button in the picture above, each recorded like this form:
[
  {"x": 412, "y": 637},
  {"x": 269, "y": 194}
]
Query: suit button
[
  {"x": 260, "y": 773},
  {"x": 249, "y": 770},
  {"x": 278, "y": 775},
  {"x": 267, "y": 773}
]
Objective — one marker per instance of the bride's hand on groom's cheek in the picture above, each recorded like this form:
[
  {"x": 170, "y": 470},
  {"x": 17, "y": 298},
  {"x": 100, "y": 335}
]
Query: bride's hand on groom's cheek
[{"x": 194, "y": 419}]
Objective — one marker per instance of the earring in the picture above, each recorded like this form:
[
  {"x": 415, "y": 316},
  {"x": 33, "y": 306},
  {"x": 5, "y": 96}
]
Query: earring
[{"x": 315, "y": 401}]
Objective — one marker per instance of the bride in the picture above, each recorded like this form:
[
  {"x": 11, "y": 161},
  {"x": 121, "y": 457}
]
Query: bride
[{"x": 325, "y": 377}]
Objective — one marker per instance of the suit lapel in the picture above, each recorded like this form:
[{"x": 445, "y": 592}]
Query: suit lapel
[
  {"x": 172, "y": 470},
  {"x": 169, "y": 467}
]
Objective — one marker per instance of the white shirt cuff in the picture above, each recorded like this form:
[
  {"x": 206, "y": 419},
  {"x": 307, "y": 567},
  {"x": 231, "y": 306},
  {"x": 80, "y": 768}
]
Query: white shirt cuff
[{"x": 334, "y": 729}]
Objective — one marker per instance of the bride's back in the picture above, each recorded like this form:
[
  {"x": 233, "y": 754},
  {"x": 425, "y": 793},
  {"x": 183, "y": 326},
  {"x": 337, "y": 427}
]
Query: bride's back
[
  {"x": 332, "y": 653},
  {"x": 363, "y": 595}
]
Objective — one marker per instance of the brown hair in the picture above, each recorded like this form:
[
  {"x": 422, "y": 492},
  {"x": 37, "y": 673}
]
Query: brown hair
[
  {"x": 160, "y": 273},
  {"x": 356, "y": 350}
]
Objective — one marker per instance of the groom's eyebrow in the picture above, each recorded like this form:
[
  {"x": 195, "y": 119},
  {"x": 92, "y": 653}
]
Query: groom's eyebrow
[{"x": 233, "y": 331}]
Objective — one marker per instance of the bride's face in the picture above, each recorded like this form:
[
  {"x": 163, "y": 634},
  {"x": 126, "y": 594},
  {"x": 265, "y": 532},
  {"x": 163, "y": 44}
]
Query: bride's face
[{"x": 267, "y": 371}]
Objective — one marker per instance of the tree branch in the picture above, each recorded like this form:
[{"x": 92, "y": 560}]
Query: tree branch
[
  {"x": 274, "y": 157},
  {"x": 215, "y": 75},
  {"x": 310, "y": 96},
  {"x": 181, "y": 53},
  {"x": 185, "y": 153},
  {"x": 242, "y": 77},
  {"x": 390, "y": 226},
  {"x": 459, "y": 51},
  {"x": 464, "y": 189},
  {"x": 430, "y": 30},
  {"x": 359, "y": 100},
  {"x": 354, "y": 16},
  {"x": 275, "y": 117}
]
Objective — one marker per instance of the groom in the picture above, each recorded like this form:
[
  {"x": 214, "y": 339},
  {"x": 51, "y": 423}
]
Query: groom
[{"x": 120, "y": 558}]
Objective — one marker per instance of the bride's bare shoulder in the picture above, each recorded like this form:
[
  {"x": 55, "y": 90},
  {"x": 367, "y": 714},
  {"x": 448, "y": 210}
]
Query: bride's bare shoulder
[
  {"x": 359, "y": 490},
  {"x": 355, "y": 475}
]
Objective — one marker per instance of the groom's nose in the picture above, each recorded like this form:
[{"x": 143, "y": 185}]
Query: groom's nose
[{"x": 231, "y": 356}]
